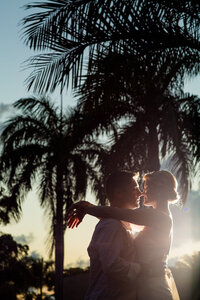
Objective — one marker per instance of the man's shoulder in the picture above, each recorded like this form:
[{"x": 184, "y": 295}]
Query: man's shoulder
[
  {"x": 107, "y": 230},
  {"x": 106, "y": 224}
]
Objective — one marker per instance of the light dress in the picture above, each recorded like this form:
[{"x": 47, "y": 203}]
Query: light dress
[{"x": 152, "y": 247}]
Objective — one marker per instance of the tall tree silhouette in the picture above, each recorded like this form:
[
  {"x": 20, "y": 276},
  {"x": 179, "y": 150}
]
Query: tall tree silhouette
[
  {"x": 40, "y": 146},
  {"x": 137, "y": 55},
  {"x": 158, "y": 119}
]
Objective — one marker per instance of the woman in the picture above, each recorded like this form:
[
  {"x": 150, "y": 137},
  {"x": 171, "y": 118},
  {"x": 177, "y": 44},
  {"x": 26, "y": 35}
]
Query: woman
[{"x": 154, "y": 241}]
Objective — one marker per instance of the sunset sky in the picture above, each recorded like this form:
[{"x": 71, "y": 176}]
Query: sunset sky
[{"x": 33, "y": 227}]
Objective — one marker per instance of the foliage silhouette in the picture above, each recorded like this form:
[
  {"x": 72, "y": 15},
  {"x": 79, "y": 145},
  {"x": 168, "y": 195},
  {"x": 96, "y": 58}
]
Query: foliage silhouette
[
  {"x": 20, "y": 272},
  {"x": 44, "y": 147},
  {"x": 14, "y": 275},
  {"x": 187, "y": 274},
  {"x": 157, "y": 118},
  {"x": 136, "y": 56},
  {"x": 72, "y": 30},
  {"x": 41, "y": 272}
]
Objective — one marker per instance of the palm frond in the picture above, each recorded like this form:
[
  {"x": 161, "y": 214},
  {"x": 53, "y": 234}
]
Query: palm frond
[
  {"x": 129, "y": 151},
  {"x": 190, "y": 109},
  {"x": 46, "y": 185},
  {"x": 80, "y": 180},
  {"x": 10, "y": 209},
  {"x": 180, "y": 137},
  {"x": 57, "y": 17},
  {"x": 124, "y": 26},
  {"x": 13, "y": 159},
  {"x": 97, "y": 184},
  {"x": 25, "y": 127},
  {"x": 38, "y": 106},
  {"x": 19, "y": 184},
  {"x": 53, "y": 69}
]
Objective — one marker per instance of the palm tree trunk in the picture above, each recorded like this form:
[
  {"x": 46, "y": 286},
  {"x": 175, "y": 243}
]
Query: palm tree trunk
[
  {"x": 42, "y": 278},
  {"x": 41, "y": 291},
  {"x": 153, "y": 163},
  {"x": 59, "y": 238}
]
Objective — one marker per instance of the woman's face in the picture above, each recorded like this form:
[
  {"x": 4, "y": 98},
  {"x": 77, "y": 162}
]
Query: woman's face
[{"x": 148, "y": 194}]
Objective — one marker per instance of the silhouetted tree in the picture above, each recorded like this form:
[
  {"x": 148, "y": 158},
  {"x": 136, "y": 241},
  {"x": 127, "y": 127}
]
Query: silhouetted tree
[
  {"x": 137, "y": 54},
  {"x": 157, "y": 118},
  {"x": 42, "y": 146},
  {"x": 20, "y": 272},
  {"x": 40, "y": 271},
  {"x": 14, "y": 274}
]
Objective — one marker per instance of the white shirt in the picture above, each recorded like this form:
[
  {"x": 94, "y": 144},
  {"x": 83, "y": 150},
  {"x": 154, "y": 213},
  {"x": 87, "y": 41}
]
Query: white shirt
[{"x": 112, "y": 267}]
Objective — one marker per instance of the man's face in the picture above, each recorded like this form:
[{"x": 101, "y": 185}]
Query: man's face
[{"x": 131, "y": 194}]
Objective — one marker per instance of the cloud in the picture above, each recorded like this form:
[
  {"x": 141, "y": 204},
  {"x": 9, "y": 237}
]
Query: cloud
[
  {"x": 187, "y": 220},
  {"x": 80, "y": 263},
  {"x": 188, "y": 248},
  {"x": 35, "y": 255},
  {"x": 24, "y": 239},
  {"x": 186, "y": 223},
  {"x": 6, "y": 110}
]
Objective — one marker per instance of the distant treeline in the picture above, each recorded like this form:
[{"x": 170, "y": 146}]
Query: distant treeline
[
  {"x": 186, "y": 273},
  {"x": 21, "y": 274}
]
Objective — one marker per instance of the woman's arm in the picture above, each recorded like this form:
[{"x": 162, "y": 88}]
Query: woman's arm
[
  {"x": 143, "y": 216},
  {"x": 76, "y": 213}
]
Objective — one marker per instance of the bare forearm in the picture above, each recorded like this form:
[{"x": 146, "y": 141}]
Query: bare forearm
[
  {"x": 143, "y": 216},
  {"x": 127, "y": 215}
]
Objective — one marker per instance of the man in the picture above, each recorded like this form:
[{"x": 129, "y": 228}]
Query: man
[{"x": 113, "y": 271}]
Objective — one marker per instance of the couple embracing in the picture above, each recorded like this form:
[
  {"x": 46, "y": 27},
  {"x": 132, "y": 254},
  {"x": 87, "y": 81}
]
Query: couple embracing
[{"x": 124, "y": 267}]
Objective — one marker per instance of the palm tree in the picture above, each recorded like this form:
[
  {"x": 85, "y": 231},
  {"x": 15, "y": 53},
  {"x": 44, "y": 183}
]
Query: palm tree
[
  {"x": 139, "y": 53},
  {"x": 74, "y": 32},
  {"x": 158, "y": 118},
  {"x": 41, "y": 146}
]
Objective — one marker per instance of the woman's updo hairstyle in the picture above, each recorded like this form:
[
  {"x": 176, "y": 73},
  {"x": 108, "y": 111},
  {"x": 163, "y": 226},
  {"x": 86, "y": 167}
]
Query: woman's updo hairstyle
[{"x": 163, "y": 183}]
